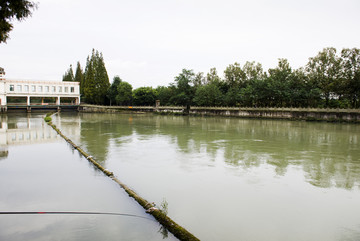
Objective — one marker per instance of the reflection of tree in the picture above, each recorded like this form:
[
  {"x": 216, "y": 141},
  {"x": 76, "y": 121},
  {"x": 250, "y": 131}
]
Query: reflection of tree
[
  {"x": 94, "y": 137},
  {"x": 328, "y": 153},
  {"x": 318, "y": 147},
  {"x": 327, "y": 172},
  {"x": 3, "y": 153},
  {"x": 98, "y": 129}
]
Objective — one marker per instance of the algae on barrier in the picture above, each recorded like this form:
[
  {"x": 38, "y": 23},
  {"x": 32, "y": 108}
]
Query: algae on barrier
[{"x": 48, "y": 119}]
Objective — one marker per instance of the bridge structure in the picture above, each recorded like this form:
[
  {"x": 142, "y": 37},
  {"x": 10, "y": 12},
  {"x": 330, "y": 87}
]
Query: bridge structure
[{"x": 34, "y": 94}]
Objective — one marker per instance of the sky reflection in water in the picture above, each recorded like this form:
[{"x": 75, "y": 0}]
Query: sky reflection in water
[
  {"x": 39, "y": 171},
  {"x": 234, "y": 179}
]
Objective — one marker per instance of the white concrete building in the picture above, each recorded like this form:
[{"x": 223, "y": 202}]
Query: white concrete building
[{"x": 38, "y": 89}]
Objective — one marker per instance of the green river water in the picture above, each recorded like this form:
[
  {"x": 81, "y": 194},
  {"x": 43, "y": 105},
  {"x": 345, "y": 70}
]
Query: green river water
[{"x": 223, "y": 178}]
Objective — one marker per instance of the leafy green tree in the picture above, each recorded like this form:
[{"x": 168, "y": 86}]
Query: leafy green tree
[
  {"x": 96, "y": 80},
  {"x": 234, "y": 75},
  {"x": 184, "y": 89},
  {"x": 279, "y": 80},
  {"x": 253, "y": 71},
  {"x": 124, "y": 93},
  {"x": 164, "y": 94},
  {"x": 238, "y": 79},
  {"x": 13, "y": 9},
  {"x": 69, "y": 75},
  {"x": 212, "y": 77},
  {"x": 351, "y": 75},
  {"x": 209, "y": 95},
  {"x": 233, "y": 96},
  {"x": 298, "y": 89},
  {"x": 144, "y": 96},
  {"x": 199, "y": 79},
  {"x": 325, "y": 70},
  {"x": 256, "y": 93},
  {"x": 113, "y": 90}
]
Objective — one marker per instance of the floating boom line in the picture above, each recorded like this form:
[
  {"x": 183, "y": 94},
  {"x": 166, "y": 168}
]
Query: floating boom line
[{"x": 74, "y": 213}]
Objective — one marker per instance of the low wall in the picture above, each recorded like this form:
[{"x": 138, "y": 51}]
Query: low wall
[
  {"x": 128, "y": 109},
  {"x": 309, "y": 114},
  {"x": 347, "y": 115}
]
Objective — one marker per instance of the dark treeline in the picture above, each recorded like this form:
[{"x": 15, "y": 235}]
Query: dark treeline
[
  {"x": 94, "y": 81},
  {"x": 328, "y": 80}
]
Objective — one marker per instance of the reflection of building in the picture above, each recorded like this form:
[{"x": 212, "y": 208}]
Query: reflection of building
[
  {"x": 24, "y": 132},
  {"x": 29, "y": 130},
  {"x": 35, "y": 93}
]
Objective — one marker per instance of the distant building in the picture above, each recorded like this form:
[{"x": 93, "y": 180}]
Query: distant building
[{"x": 39, "y": 90}]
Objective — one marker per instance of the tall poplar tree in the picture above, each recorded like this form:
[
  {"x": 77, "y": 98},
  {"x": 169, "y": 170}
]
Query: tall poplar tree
[
  {"x": 79, "y": 76},
  {"x": 96, "y": 80},
  {"x": 69, "y": 75}
]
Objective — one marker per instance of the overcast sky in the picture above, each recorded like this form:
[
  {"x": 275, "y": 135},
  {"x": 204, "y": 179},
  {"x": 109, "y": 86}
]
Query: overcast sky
[{"x": 148, "y": 43}]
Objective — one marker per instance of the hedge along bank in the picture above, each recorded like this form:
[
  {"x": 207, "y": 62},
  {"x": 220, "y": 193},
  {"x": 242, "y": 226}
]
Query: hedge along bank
[{"x": 178, "y": 231}]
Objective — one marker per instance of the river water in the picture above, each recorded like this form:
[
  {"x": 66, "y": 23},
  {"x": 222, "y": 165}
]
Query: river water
[
  {"x": 40, "y": 172},
  {"x": 223, "y": 178}
]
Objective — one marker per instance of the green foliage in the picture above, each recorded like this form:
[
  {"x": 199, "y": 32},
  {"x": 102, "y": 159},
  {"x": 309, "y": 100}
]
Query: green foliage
[
  {"x": 113, "y": 90},
  {"x": 328, "y": 80},
  {"x": 144, "y": 96},
  {"x": 164, "y": 94},
  {"x": 184, "y": 88},
  {"x": 69, "y": 75},
  {"x": 48, "y": 119},
  {"x": 11, "y": 9},
  {"x": 279, "y": 81},
  {"x": 79, "y": 76},
  {"x": 96, "y": 80},
  {"x": 324, "y": 70},
  {"x": 209, "y": 95},
  {"x": 124, "y": 93},
  {"x": 164, "y": 207},
  {"x": 234, "y": 75},
  {"x": 351, "y": 75}
]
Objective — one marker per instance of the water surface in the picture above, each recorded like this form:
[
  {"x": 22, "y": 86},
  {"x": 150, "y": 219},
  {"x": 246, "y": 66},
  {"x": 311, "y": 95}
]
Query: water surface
[
  {"x": 234, "y": 179},
  {"x": 39, "y": 171}
]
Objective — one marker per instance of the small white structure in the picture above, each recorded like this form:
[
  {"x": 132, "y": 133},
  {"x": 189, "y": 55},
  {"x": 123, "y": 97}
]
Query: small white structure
[{"x": 39, "y": 89}]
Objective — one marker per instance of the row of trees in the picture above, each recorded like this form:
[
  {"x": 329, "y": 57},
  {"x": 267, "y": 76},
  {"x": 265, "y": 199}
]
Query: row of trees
[
  {"x": 329, "y": 79},
  {"x": 94, "y": 81}
]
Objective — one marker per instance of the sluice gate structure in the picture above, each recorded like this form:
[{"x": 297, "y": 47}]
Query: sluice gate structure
[{"x": 32, "y": 95}]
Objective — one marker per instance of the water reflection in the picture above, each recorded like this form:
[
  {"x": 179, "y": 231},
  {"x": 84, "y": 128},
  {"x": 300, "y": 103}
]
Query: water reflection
[
  {"x": 42, "y": 173},
  {"x": 24, "y": 131},
  {"x": 327, "y": 153}
]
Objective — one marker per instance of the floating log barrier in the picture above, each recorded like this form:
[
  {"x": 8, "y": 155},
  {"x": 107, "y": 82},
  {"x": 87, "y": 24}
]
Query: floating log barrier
[{"x": 177, "y": 230}]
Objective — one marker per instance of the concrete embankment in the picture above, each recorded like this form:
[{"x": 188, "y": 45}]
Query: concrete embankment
[
  {"x": 177, "y": 230},
  {"x": 308, "y": 114}
]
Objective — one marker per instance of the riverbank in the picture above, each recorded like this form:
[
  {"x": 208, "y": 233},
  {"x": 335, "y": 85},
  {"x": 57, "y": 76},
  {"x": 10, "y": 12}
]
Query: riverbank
[{"x": 307, "y": 114}]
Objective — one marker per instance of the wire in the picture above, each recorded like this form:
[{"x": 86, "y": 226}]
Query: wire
[{"x": 75, "y": 213}]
